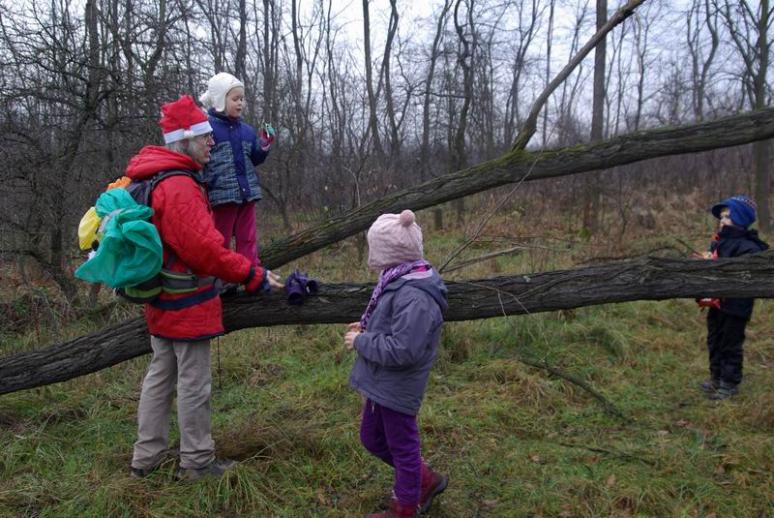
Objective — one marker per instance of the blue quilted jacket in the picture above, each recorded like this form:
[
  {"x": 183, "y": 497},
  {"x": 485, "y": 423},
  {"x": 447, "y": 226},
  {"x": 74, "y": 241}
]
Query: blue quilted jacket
[{"x": 230, "y": 175}]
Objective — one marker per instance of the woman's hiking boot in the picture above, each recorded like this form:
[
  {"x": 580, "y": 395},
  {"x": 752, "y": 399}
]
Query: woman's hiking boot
[
  {"x": 216, "y": 468},
  {"x": 433, "y": 484},
  {"x": 397, "y": 510},
  {"x": 165, "y": 456}
]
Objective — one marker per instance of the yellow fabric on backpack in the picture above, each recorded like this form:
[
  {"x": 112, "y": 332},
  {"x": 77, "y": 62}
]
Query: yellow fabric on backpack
[{"x": 87, "y": 228}]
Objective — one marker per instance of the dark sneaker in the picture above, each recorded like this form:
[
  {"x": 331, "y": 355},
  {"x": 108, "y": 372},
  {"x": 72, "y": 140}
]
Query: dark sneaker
[
  {"x": 166, "y": 455},
  {"x": 724, "y": 391},
  {"x": 710, "y": 385},
  {"x": 216, "y": 468}
]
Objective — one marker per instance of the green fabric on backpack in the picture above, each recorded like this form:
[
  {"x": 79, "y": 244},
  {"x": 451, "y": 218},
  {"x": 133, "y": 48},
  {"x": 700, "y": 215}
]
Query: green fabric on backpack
[{"x": 129, "y": 249}]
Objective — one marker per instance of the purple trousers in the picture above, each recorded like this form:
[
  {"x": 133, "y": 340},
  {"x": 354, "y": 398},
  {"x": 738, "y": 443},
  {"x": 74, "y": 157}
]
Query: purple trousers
[
  {"x": 238, "y": 220},
  {"x": 394, "y": 437}
]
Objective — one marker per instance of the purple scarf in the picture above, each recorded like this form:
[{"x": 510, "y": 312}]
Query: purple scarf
[{"x": 387, "y": 276}]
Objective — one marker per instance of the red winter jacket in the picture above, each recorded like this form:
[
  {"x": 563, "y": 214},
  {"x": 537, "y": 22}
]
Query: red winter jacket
[{"x": 182, "y": 216}]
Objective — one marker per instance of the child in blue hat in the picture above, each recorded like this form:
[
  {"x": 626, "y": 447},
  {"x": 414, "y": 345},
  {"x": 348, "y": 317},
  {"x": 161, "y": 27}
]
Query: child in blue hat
[{"x": 727, "y": 318}]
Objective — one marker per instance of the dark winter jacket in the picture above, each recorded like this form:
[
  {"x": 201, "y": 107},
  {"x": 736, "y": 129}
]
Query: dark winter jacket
[
  {"x": 733, "y": 242},
  {"x": 395, "y": 354},
  {"x": 230, "y": 175}
]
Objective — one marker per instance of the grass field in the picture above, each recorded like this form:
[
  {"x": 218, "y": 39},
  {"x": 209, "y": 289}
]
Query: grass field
[{"x": 516, "y": 437}]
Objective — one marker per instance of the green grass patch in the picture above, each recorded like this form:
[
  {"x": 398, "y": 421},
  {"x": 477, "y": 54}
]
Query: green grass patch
[{"x": 502, "y": 417}]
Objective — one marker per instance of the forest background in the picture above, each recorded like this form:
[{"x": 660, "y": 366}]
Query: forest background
[{"x": 363, "y": 107}]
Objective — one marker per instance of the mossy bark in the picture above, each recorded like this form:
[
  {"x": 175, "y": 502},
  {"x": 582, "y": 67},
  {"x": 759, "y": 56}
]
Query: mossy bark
[
  {"x": 519, "y": 165},
  {"x": 648, "y": 278}
]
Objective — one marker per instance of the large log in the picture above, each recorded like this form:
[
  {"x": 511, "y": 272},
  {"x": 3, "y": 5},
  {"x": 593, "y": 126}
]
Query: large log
[
  {"x": 648, "y": 278},
  {"x": 519, "y": 165}
]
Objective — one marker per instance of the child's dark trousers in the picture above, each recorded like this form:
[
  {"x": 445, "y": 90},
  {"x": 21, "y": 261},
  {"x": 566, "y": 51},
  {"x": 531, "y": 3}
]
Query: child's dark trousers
[{"x": 725, "y": 337}]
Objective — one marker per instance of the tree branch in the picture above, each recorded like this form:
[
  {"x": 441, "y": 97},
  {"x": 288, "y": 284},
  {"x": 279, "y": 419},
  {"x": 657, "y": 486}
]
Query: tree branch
[
  {"x": 647, "y": 278},
  {"x": 516, "y": 165}
]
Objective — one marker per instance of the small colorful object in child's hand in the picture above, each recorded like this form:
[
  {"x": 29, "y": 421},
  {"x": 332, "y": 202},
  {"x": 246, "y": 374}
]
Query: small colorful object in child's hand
[{"x": 267, "y": 136}]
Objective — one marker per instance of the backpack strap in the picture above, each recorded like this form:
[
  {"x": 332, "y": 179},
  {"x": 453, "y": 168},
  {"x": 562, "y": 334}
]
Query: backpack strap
[
  {"x": 141, "y": 190},
  {"x": 171, "y": 282}
]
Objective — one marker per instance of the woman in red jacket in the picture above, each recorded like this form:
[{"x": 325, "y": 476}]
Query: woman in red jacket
[{"x": 181, "y": 325}]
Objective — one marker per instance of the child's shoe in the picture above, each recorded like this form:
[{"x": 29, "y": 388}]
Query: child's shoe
[
  {"x": 723, "y": 391},
  {"x": 397, "y": 510},
  {"x": 433, "y": 484},
  {"x": 710, "y": 385}
]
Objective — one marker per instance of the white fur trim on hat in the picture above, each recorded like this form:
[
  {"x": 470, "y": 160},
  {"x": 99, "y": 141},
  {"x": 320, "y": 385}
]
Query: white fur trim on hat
[
  {"x": 218, "y": 87},
  {"x": 394, "y": 239},
  {"x": 179, "y": 134}
]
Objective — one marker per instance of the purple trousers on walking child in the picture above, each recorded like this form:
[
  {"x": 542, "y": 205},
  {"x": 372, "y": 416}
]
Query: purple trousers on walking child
[
  {"x": 394, "y": 438},
  {"x": 238, "y": 220}
]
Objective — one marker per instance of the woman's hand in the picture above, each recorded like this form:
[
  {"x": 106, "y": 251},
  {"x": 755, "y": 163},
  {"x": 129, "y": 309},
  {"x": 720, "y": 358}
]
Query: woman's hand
[{"x": 275, "y": 281}]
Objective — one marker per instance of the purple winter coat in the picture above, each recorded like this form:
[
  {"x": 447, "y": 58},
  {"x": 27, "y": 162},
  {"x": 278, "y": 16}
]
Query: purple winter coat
[{"x": 395, "y": 354}]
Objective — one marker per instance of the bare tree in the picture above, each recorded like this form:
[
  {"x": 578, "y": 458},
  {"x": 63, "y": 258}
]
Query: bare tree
[
  {"x": 750, "y": 33},
  {"x": 527, "y": 29},
  {"x": 701, "y": 15},
  {"x": 434, "y": 53},
  {"x": 373, "y": 123},
  {"x": 593, "y": 196},
  {"x": 459, "y": 159}
]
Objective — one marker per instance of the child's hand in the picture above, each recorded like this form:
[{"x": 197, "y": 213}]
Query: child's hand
[
  {"x": 267, "y": 136},
  {"x": 354, "y": 326},
  {"x": 349, "y": 339}
]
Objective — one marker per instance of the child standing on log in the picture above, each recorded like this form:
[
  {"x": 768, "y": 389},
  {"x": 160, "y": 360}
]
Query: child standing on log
[
  {"x": 232, "y": 182},
  {"x": 727, "y": 318},
  {"x": 396, "y": 341}
]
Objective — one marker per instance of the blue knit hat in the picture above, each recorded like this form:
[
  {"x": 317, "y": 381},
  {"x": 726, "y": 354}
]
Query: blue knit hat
[{"x": 742, "y": 210}]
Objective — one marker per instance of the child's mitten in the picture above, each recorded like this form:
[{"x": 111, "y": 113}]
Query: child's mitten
[{"x": 267, "y": 136}]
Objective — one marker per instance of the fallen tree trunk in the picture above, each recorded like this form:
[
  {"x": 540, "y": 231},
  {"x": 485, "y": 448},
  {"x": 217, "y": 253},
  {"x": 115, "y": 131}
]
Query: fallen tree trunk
[
  {"x": 520, "y": 165},
  {"x": 647, "y": 278}
]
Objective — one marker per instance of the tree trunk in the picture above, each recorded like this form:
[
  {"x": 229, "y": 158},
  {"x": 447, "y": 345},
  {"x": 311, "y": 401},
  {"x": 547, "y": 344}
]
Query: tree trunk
[
  {"x": 647, "y": 278},
  {"x": 593, "y": 184},
  {"x": 761, "y": 149},
  {"x": 459, "y": 158},
  {"x": 424, "y": 172},
  {"x": 373, "y": 123},
  {"x": 519, "y": 165},
  {"x": 240, "y": 66}
]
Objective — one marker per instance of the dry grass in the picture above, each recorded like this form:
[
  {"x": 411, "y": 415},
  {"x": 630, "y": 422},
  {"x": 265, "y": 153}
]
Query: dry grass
[{"x": 516, "y": 440}]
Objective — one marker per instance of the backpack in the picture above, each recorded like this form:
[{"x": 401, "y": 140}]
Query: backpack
[{"x": 126, "y": 248}]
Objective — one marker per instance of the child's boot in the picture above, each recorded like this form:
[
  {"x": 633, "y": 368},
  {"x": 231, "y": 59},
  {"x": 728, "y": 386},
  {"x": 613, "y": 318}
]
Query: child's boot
[
  {"x": 723, "y": 391},
  {"x": 433, "y": 484},
  {"x": 397, "y": 510},
  {"x": 710, "y": 385}
]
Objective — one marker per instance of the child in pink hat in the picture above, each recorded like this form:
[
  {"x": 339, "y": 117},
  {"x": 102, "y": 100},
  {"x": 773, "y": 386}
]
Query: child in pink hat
[{"x": 396, "y": 341}]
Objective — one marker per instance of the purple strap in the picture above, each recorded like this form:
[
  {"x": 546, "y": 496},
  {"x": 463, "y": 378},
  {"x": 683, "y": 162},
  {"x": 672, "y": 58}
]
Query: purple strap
[{"x": 387, "y": 276}]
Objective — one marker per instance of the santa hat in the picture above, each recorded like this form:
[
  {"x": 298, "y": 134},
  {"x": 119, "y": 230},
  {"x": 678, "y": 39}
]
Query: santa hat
[
  {"x": 218, "y": 87},
  {"x": 183, "y": 119},
  {"x": 394, "y": 239}
]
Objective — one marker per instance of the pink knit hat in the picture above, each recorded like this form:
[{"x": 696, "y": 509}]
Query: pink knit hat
[{"x": 394, "y": 239}]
